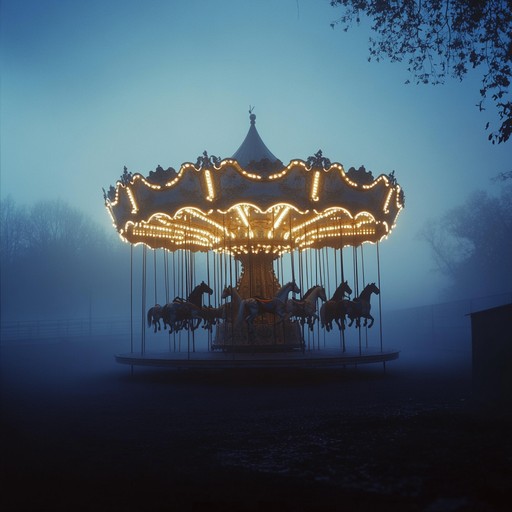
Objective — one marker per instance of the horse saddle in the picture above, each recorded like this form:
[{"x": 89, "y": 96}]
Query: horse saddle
[{"x": 263, "y": 301}]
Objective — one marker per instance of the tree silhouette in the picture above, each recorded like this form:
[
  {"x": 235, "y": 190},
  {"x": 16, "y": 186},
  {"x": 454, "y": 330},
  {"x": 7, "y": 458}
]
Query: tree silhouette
[
  {"x": 472, "y": 244},
  {"x": 444, "y": 38},
  {"x": 55, "y": 260}
]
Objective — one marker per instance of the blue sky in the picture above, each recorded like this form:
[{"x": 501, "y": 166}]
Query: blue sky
[{"x": 88, "y": 87}]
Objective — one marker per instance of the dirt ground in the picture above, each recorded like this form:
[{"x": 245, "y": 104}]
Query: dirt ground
[{"x": 80, "y": 432}]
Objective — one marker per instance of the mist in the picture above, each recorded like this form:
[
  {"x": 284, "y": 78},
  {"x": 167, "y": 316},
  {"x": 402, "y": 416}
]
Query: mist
[
  {"x": 89, "y": 88},
  {"x": 77, "y": 423},
  {"x": 124, "y": 90},
  {"x": 86, "y": 432}
]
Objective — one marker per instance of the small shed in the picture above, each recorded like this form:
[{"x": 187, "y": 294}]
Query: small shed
[{"x": 491, "y": 333}]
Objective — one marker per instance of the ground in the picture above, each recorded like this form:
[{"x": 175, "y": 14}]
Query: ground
[{"x": 80, "y": 432}]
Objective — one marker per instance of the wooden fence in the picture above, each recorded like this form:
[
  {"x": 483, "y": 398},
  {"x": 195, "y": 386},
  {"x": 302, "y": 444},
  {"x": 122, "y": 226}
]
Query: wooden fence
[{"x": 65, "y": 328}]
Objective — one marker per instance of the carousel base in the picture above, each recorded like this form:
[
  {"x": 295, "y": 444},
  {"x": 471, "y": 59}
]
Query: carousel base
[
  {"x": 263, "y": 360},
  {"x": 263, "y": 337}
]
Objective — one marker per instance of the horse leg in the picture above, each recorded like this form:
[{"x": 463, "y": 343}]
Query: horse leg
[
  {"x": 250, "y": 327},
  {"x": 371, "y": 320},
  {"x": 313, "y": 319},
  {"x": 282, "y": 316},
  {"x": 197, "y": 324}
]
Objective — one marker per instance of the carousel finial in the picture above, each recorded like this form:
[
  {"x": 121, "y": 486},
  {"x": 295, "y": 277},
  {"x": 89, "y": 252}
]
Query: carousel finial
[{"x": 252, "y": 116}]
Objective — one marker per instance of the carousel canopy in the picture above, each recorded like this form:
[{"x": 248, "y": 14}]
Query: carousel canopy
[{"x": 253, "y": 203}]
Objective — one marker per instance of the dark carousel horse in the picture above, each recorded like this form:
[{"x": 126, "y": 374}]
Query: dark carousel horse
[
  {"x": 360, "y": 307},
  {"x": 196, "y": 295},
  {"x": 305, "y": 309},
  {"x": 154, "y": 316},
  {"x": 335, "y": 309},
  {"x": 185, "y": 313},
  {"x": 250, "y": 308}
]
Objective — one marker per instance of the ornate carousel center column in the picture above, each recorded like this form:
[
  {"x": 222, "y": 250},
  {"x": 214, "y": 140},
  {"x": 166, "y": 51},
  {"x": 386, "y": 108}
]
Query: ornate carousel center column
[{"x": 258, "y": 278}]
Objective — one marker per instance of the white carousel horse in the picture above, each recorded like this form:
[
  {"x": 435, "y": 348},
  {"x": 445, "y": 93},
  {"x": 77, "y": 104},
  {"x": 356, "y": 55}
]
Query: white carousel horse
[
  {"x": 231, "y": 308},
  {"x": 305, "y": 309},
  {"x": 250, "y": 308}
]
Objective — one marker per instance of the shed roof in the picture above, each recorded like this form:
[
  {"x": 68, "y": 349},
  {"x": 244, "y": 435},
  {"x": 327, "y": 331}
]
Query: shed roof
[{"x": 503, "y": 308}]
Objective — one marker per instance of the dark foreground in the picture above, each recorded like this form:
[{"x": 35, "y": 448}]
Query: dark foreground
[{"x": 81, "y": 433}]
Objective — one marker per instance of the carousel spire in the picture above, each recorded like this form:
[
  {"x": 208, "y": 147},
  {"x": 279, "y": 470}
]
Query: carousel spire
[{"x": 253, "y": 150}]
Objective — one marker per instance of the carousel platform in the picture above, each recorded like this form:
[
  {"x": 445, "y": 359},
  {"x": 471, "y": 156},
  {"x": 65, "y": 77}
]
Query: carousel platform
[{"x": 314, "y": 359}]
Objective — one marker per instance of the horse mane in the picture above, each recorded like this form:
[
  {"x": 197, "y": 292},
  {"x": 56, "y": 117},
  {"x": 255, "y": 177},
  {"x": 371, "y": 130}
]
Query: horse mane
[
  {"x": 338, "y": 292},
  {"x": 289, "y": 283},
  {"x": 369, "y": 285},
  {"x": 309, "y": 291}
]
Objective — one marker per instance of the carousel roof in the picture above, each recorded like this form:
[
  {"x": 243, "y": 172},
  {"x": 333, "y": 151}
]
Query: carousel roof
[
  {"x": 253, "y": 203},
  {"x": 253, "y": 149}
]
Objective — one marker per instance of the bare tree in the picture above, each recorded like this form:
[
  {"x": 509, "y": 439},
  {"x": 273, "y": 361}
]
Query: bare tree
[
  {"x": 57, "y": 260},
  {"x": 55, "y": 224},
  {"x": 13, "y": 230},
  {"x": 444, "y": 38},
  {"x": 472, "y": 244}
]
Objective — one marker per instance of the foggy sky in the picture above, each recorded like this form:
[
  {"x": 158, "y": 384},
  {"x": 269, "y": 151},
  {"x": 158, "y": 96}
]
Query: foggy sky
[{"x": 88, "y": 87}]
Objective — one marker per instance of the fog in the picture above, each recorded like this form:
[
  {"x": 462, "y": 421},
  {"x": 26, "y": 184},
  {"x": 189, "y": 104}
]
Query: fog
[
  {"x": 86, "y": 432},
  {"x": 143, "y": 85},
  {"x": 88, "y": 88}
]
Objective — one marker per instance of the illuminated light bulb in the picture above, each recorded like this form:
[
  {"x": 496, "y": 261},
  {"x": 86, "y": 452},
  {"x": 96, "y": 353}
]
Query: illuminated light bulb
[
  {"x": 242, "y": 216},
  {"x": 314, "y": 189},
  {"x": 135, "y": 208},
  {"x": 281, "y": 217},
  {"x": 388, "y": 199},
  {"x": 209, "y": 186},
  {"x": 111, "y": 216}
]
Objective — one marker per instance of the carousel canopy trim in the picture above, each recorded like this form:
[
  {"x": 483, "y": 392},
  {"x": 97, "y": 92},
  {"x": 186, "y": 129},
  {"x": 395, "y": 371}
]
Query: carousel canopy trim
[
  {"x": 252, "y": 203},
  {"x": 217, "y": 205}
]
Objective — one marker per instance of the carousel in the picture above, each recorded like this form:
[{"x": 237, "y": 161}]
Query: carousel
[{"x": 261, "y": 263}]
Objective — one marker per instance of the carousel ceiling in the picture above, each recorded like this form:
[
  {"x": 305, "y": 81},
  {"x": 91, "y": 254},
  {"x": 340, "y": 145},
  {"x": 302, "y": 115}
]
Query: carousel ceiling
[{"x": 252, "y": 203}]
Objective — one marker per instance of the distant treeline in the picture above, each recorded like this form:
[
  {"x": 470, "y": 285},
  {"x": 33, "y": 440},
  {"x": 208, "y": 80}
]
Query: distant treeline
[
  {"x": 56, "y": 262},
  {"x": 471, "y": 244}
]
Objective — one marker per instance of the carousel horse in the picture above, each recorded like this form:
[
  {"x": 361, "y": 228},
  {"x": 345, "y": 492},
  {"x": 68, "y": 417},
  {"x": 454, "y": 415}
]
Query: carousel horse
[
  {"x": 360, "y": 307},
  {"x": 185, "y": 313},
  {"x": 154, "y": 316},
  {"x": 231, "y": 308},
  {"x": 305, "y": 309},
  {"x": 196, "y": 295},
  {"x": 250, "y": 308},
  {"x": 335, "y": 308},
  {"x": 212, "y": 315}
]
